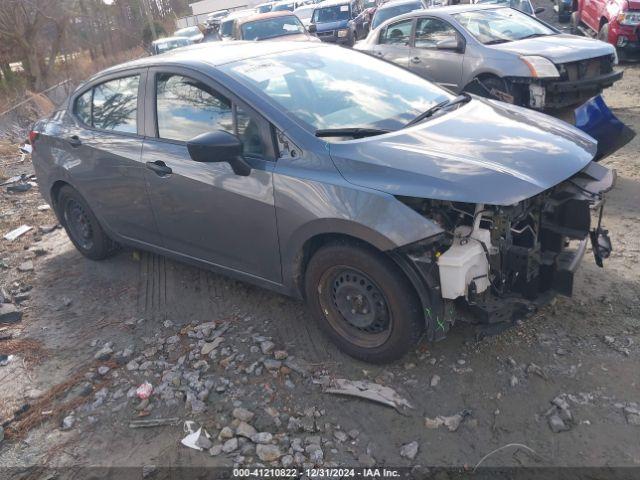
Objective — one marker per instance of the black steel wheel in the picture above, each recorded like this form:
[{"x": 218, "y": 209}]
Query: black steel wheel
[
  {"x": 362, "y": 314},
  {"x": 76, "y": 218},
  {"x": 363, "y": 301},
  {"x": 82, "y": 226}
]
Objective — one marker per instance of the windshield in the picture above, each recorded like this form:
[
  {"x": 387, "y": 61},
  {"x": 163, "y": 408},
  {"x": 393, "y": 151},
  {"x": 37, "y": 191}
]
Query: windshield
[
  {"x": 272, "y": 27},
  {"x": 369, "y": 3},
  {"x": 282, "y": 7},
  {"x": 336, "y": 13},
  {"x": 522, "y": 5},
  {"x": 304, "y": 13},
  {"x": 501, "y": 25},
  {"x": 385, "y": 14},
  {"x": 338, "y": 88},
  {"x": 266, "y": 8}
]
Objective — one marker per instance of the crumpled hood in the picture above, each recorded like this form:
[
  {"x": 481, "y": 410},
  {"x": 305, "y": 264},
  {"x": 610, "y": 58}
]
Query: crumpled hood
[
  {"x": 558, "y": 48},
  {"x": 483, "y": 152}
]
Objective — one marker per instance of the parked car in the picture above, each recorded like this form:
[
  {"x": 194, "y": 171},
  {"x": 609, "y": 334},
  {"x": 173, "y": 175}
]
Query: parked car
[
  {"x": 192, "y": 33},
  {"x": 497, "y": 52},
  {"x": 522, "y": 5},
  {"x": 165, "y": 44},
  {"x": 339, "y": 21},
  {"x": 214, "y": 18},
  {"x": 272, "y": 26},
  {"x": 304, "y": 13},
  {"x": 264, "y": 7},
  {"x": 227, "y": 25},
  {"x": 319, "y": 172},
  {"x": 394, "y": 8},
  {"x": 613, "y": 21},
  {"x": 285, "y": 5}
]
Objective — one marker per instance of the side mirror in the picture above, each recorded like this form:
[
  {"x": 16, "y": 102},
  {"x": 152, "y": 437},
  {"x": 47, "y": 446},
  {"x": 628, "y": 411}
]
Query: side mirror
[
  {"x": 539, "y": 10},
  {"x": 312, "y": 28},
  {"x": 448, "y": 44},
  {"x": 219, "y": 146}
]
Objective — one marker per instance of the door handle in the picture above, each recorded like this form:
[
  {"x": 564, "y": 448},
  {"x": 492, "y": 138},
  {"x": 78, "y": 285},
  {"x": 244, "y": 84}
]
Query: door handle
[
  {"x": 159, "y": 167},
  {"x": 74, "y": 141},
  {"x": 415, "y": 60}
]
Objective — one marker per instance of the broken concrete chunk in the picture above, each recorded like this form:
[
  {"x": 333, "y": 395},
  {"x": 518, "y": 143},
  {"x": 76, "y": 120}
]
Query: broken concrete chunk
[
  {"x": 556, "y": 424},
  {"x": 632, "y": 415},
  {"x": 209, "y": 347},
  {"x": 9, "y": 313},
  {"x": 26, "y": 266},
  {"x": 242, "y": 414},
  {"x": 409, "y": 450},
  {"x": 268, "y": 453},
  {"x": 451, "y": 422},
  {"x": 245, "y": 430}
]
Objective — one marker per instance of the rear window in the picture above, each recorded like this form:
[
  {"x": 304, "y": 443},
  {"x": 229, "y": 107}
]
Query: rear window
[{"x": 111, "y": 105}]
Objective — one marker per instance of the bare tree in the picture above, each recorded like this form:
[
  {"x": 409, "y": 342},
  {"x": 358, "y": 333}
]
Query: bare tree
[{"x": 34, "y": 31}]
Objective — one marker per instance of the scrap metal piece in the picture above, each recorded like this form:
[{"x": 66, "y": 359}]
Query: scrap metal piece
[
  {"x": 369, "y": 391},
  {"x": 153, "y": 422},
  {"x": 18, "y": 232},
  {"x": 596, "y": 118}
]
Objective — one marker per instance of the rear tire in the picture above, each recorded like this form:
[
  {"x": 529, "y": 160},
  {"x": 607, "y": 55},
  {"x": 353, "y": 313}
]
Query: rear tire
[
  {"x": 363, "y": 302},
  {"x": 82, "y": 226}
]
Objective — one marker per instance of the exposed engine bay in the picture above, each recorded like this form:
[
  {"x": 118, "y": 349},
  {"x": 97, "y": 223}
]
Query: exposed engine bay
[{"x": 492, "y": 257}]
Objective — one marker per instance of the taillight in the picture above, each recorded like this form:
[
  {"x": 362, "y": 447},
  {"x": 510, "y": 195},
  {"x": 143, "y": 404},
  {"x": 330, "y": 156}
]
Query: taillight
[{"x": 33, "y": 135}]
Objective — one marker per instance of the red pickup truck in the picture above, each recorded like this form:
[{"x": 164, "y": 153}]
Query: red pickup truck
[{"x": 613, "y": 21}]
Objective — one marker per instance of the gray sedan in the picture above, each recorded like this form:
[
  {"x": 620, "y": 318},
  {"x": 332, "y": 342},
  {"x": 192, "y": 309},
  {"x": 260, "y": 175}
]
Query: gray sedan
[
  {"x": 497, "y": 52},
  {"x": 318, "y": 172}
]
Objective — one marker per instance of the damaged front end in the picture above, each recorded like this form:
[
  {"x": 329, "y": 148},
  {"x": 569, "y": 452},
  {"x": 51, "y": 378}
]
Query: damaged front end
[{"x": 500, "y": 262}]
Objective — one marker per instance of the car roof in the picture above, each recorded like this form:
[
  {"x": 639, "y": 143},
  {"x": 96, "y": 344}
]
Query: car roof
[
  {"x": 332, "y": 3},
  {"x": 265, "y": 16},
  {"x": 212, "y": 54}
]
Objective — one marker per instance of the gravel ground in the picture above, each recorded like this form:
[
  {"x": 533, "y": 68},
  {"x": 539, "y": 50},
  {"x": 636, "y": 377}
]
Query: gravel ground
[{"x": 564, "y": 383}]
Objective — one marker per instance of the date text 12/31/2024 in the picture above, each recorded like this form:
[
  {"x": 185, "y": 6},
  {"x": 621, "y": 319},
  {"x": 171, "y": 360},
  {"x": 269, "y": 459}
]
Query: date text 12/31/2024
[{"x": 278, "y": 473}]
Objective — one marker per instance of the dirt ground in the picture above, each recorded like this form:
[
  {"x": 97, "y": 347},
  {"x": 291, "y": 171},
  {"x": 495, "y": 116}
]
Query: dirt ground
[{"x": 582, "y": 351}]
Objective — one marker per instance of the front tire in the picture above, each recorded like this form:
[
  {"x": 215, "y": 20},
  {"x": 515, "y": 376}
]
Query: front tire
[
  {"x": 363, "y": 302},
  {"x": 82, "y": 226}
]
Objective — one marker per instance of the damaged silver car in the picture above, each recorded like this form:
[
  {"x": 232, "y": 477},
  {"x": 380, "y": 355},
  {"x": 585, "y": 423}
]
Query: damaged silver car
[
  {"x": 497, "y": 52},
  {"x": 388, "y": 204}
]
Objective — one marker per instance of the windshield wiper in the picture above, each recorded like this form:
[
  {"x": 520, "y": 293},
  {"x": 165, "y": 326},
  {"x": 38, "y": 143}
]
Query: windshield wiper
[
  {"x": 533, "y": 35},
  {"x": 464, "y": 98},
  {"x": 354, "y": 132},
  {"x": 498, "y": 40}
]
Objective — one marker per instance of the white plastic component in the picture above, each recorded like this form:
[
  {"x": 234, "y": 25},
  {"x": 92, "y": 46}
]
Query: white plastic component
[{"x": 464, "y": 262}]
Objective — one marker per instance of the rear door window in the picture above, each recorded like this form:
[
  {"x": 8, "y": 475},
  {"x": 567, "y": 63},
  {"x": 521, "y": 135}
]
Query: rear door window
[
  {"x": 397, "y": 33},
  {"x": 115, "y": 105}
]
